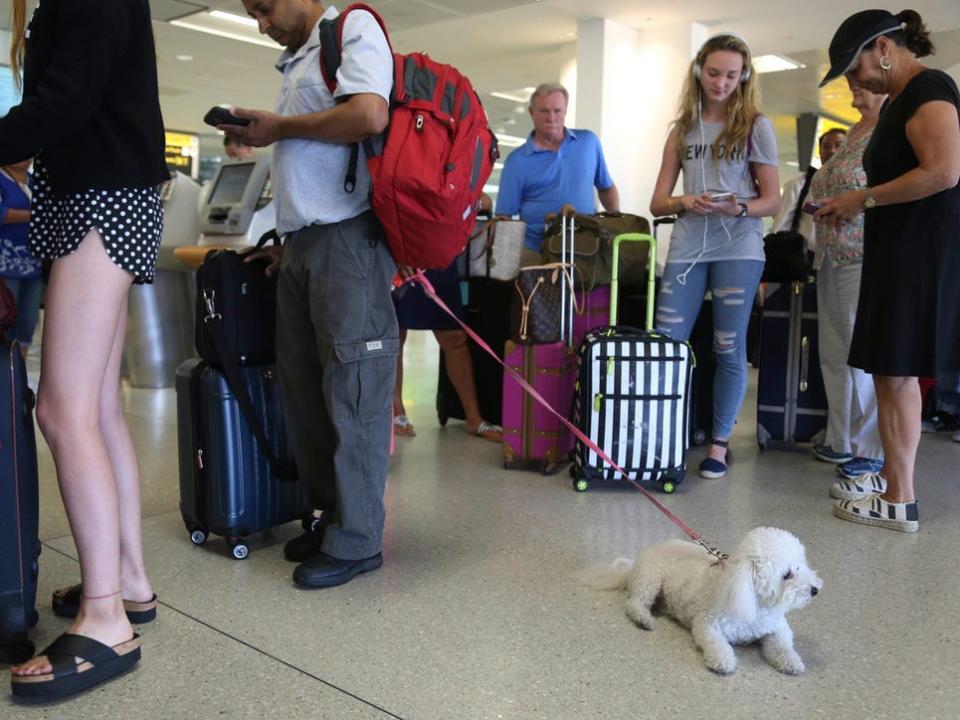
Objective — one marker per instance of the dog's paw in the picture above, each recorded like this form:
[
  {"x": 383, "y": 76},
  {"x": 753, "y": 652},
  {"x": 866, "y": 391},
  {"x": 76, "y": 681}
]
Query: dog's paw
[
  {"x": 641, "y": 616},
  {"x": 722, "y": 664},
  {"x": 790, "y": 665}
]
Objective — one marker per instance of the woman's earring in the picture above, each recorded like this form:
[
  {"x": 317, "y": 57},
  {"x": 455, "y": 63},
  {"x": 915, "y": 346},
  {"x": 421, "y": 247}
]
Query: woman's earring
[{"x": 885, "y": 63}]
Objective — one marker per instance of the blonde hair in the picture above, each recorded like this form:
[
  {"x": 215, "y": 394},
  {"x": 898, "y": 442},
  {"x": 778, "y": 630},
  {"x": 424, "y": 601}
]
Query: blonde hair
[
  {"x": 742, "y": 107},
  {"x": 18, "y": 25}
]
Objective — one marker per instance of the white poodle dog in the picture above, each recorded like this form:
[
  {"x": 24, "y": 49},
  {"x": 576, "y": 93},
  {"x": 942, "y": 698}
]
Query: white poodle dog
[{"x": 740, "y": 601}]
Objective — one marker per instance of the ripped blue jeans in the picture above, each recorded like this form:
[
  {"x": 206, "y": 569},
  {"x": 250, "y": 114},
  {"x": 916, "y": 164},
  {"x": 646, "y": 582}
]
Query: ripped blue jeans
[{"x": 733, "y": 285}]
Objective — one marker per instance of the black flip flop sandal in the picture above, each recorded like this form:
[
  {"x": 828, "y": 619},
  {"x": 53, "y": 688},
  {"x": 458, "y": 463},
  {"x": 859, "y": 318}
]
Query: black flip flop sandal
[
  {"x": 100, "y": 663},
  {"x": 66, "y": 604}
]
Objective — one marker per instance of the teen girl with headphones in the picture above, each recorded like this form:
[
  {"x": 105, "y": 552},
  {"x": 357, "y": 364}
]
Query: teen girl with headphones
[{"x": 728, "y": 154}]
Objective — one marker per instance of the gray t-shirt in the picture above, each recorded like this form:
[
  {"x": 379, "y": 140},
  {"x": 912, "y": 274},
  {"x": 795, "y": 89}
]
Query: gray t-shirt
[
  {"x": 708, "y": 167},
  {"x": 308, "y": 175}
]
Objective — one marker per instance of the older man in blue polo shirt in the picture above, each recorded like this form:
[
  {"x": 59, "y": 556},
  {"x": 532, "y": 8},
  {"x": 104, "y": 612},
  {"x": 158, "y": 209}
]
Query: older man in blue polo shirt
[{"x": 555, "y": 167}]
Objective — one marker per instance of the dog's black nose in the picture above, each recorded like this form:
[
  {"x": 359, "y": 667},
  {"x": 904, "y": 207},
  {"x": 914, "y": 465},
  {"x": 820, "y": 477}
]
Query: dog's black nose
[{"x": 814, "y": 589}]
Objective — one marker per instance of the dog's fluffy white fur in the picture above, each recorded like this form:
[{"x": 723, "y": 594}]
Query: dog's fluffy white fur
[{"x": 743, "y": 600}]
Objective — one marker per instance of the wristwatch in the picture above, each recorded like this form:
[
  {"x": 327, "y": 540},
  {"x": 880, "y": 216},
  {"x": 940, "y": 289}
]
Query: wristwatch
[
  {"x": 869, "y": 201},
  {"x": 743, "y": 210}
]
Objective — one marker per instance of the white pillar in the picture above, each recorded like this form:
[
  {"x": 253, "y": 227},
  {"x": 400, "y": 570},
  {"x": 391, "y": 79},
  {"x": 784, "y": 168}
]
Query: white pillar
[{"x": 628, "y": 86}]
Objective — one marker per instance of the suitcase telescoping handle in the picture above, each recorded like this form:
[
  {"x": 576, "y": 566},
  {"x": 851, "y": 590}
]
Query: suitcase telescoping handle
[
  {"x": 651, "y": 274},
  {"x": 568, "y": 231}
]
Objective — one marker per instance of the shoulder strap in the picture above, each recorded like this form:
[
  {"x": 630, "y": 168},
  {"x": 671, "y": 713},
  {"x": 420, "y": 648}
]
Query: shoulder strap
[
  {"x": 331, "y": 56},
  {"x": 795, "y": 222},
  {"x": 331, "y": 42}
]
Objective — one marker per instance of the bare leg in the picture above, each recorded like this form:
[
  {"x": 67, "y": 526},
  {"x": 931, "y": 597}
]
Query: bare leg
[
  {"x": 126, "y": 472},
  {"x": 86, "y": 295},
  {"x": 899, "y": 407},
  {"x": 398, "y": 408},
  {"x": 460, "y": 371}
]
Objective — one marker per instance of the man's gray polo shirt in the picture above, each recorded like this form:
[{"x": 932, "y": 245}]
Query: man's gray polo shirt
[{"x": 308, "y": 175}]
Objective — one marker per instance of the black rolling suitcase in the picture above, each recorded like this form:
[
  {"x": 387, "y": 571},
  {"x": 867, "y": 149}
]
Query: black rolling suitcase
[
  {"x": 487, "y": 312},
  {"x": 633, "y": 400},
  {"x": 228, "y": 485},
  {"x": 19, "y": 510},
  {"x": 791, "y": 399}
]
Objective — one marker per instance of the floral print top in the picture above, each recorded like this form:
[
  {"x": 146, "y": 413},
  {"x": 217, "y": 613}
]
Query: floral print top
[{"x": 844, "y": 171}]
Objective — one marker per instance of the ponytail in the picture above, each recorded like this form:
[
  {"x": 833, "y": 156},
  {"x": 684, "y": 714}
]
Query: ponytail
[
  {"x": 915, "y": 36},
  {"x": 18, "y": 24}
]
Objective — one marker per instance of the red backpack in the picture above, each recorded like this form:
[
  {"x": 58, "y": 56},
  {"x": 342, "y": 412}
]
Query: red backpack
[{"x": 438, "y": 152}]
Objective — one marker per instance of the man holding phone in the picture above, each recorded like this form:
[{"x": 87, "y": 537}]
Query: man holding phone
[{"x": 337, "y": 337}]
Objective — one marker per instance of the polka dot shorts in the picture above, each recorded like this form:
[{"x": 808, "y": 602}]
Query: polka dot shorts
[{"x": 130, "y": 221}]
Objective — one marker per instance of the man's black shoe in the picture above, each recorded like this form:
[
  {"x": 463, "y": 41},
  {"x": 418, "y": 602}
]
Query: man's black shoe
[
  {"x": 323, "y": 571},
  {"x": 303, "y": 547}
]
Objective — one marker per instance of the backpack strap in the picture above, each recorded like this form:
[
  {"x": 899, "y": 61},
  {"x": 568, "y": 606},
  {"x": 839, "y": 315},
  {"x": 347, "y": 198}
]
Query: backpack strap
[
  {"x": 331, "y": 56},
  {"x": 331, "y": 42}
]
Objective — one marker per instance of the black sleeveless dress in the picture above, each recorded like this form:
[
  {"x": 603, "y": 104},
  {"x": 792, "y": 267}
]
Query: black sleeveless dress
[{"x": 908, "y": 317}]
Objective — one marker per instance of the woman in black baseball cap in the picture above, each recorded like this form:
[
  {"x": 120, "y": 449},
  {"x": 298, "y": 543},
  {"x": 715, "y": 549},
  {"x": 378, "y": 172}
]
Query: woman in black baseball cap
[{"x": 908, "y": 316}]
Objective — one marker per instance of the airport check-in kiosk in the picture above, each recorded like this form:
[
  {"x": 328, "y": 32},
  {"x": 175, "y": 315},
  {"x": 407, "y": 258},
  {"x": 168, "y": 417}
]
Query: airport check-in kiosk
[
  {"x": 160, "y": 315},
  {"x": 238, "y": 208}
]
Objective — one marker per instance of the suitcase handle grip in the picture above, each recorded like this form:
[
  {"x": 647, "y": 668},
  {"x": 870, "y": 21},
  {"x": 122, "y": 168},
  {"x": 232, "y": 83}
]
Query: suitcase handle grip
[
  {"x": 651, "y": 274},
  {"x": 804, "y": 364}
]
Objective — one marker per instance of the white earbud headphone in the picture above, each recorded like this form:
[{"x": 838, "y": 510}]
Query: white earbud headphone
[{"x": 745, "y": 73}]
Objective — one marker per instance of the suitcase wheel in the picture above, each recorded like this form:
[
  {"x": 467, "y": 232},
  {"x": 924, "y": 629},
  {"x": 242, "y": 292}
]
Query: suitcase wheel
[
  {"x": 580, "y": 484},
  {"x": 239, "y": 550},
  {"x": 509, "y": 457},
  {"x": 198, "y": 536},
  {"x": 551, "y": 468},
  {"x": 442, "y": 417},
  {"x": 699, "y": 437},
  {"x": 311, "y": 523},
  {"x": 668, "y": 487},
  {"x": 34, "y": 619}
]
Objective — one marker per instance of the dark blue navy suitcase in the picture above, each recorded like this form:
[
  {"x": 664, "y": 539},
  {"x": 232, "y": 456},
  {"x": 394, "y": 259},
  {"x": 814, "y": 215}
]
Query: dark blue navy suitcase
[
  {"x": 791, "y": 400},
  {"x": 19, "y": 510},
  {"x": 227, "y": 485}
]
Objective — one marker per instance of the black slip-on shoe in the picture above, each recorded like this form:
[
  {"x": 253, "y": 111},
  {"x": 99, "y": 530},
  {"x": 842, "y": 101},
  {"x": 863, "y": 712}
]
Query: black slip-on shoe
[
  {"x": 303, "y": 547},
  {"x": 323, "y": 571}
]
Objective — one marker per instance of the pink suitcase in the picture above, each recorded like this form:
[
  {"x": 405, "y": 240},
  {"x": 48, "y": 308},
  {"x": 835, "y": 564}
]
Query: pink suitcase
[{"x": 531, "y": 434}]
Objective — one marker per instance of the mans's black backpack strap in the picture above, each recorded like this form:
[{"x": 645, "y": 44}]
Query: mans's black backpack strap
[{"x": 330, "y": 50}]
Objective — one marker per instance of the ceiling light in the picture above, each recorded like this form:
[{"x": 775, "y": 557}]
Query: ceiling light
[
  {"x": 233, "y": 17},
  {"x": 184, "y": 58},
  {"x": 775, "y": 63},
  {"x": 491, "y": 189},
  {"x": 253, "y": 39},
  {"x": 793, "y": 163},
  {"x": 511, "y": 96}
]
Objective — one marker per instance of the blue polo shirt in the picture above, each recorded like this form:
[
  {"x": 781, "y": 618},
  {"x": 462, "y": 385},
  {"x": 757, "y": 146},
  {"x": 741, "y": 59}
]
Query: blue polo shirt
[{"x": 535, "y": 182}]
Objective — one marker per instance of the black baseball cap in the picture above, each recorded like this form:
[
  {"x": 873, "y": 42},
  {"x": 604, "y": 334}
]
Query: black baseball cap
[{"x": 853, "y": 34}]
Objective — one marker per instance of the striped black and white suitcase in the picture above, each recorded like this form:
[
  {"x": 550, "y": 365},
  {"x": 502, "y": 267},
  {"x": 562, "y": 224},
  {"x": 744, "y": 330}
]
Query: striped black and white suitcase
[{"x": 633, "y": 399}]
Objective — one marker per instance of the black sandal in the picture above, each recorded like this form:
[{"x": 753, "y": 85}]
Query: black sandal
[
  {"x": 66, "y": 604},
  {"x": 100, "y": 663}
]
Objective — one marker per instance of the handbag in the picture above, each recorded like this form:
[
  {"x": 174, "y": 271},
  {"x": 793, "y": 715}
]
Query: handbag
[
  {"x": 787, "y": 259},
  {"x": 244, "y": 300},
  {"x": 495, "y": 249},
  {"x": 536, "y": 309},
  {"x": 593, "y": 255}
]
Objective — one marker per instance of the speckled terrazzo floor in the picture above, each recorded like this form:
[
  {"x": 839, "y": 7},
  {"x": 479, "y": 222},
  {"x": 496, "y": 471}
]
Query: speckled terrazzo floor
[{"x": 474, "y": 614}]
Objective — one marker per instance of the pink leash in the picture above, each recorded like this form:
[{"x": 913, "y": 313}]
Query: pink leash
[{"x": 692, "y": 534}]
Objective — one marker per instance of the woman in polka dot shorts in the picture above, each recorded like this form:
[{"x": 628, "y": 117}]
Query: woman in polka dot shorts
[{"x": 91, "y": 116}]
